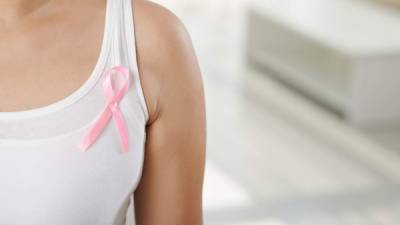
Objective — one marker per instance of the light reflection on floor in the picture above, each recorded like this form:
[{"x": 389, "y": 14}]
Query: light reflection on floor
[{"x": 222, "y": 190}]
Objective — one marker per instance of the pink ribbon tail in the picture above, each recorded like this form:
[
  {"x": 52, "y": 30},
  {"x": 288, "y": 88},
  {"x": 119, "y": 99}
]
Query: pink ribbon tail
[
  {"x": 95, "y": 131},
  {"x": 123, "y": 132}
]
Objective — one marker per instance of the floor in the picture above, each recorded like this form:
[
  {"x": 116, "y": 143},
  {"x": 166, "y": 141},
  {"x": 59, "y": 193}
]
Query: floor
[{"x": 274, "y": 158}]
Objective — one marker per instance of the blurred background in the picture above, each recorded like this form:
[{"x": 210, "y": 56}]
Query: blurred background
[{"x": 303, "y": 103}]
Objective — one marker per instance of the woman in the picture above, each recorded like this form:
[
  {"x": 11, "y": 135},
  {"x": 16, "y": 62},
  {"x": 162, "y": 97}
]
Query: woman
[{"x": 100, "y": 101}]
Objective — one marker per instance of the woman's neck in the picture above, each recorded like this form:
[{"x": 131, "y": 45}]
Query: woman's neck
[{"x": 15, "y": 10}]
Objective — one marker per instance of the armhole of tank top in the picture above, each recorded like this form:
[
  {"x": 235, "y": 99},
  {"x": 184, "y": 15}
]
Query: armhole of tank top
[{"x": 132, "y": 53}]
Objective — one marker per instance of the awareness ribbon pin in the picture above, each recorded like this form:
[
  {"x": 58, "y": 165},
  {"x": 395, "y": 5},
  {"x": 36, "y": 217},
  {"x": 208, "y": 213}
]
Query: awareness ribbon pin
[{"x": 112, "y": 109}]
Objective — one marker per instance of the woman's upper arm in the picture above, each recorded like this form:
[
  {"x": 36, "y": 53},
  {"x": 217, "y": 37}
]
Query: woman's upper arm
[{"x": 170, "y": 191}]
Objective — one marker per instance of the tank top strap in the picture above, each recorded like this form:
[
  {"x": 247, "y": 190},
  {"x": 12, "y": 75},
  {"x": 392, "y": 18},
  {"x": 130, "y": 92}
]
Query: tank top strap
[{"x": 123, "y": 44}]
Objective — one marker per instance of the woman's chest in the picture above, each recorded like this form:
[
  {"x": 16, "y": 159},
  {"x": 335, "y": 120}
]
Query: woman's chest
[
  {"x": 47, "y": 58},
  {"x": 51, "y": 181}
]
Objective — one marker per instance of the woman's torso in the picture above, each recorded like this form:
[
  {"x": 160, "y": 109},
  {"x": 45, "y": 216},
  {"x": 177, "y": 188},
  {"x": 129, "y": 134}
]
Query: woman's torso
[{"x": 44, "y": 177}]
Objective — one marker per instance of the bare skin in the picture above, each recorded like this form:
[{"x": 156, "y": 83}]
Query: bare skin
[
  {"x": 171, "y": 187},
  {"x": 39, "y": 50},
  {"x": 42, "y": 60}
]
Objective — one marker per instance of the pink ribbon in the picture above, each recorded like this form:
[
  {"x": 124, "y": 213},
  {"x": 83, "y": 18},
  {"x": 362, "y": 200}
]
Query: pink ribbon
[{"x": 112, "y": 110}]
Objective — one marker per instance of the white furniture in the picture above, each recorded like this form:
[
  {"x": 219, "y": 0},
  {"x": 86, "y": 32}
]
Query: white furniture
[
  {"x": 392, "y": 2},
  {"x": 342, "y": 53}
]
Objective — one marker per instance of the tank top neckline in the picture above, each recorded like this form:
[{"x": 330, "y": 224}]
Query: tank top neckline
[{"x": 83, "y": 89}]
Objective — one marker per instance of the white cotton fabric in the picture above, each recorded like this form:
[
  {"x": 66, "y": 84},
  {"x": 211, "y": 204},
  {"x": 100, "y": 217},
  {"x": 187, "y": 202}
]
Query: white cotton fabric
[{"x": 45, "y": 179}]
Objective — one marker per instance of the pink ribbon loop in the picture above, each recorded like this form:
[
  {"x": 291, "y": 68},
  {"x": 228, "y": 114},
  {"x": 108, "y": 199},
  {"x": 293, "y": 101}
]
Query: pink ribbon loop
[{"x": 112, "y": 110}]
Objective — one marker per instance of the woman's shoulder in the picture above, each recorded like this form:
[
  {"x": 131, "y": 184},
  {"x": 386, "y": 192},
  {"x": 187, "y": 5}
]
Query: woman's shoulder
[
  {"x": 167, "y": 62},
  {"x": 157, "y": 16}
]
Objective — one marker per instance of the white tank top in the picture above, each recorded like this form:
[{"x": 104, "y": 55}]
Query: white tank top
[{"x": 45, "y": 179}]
